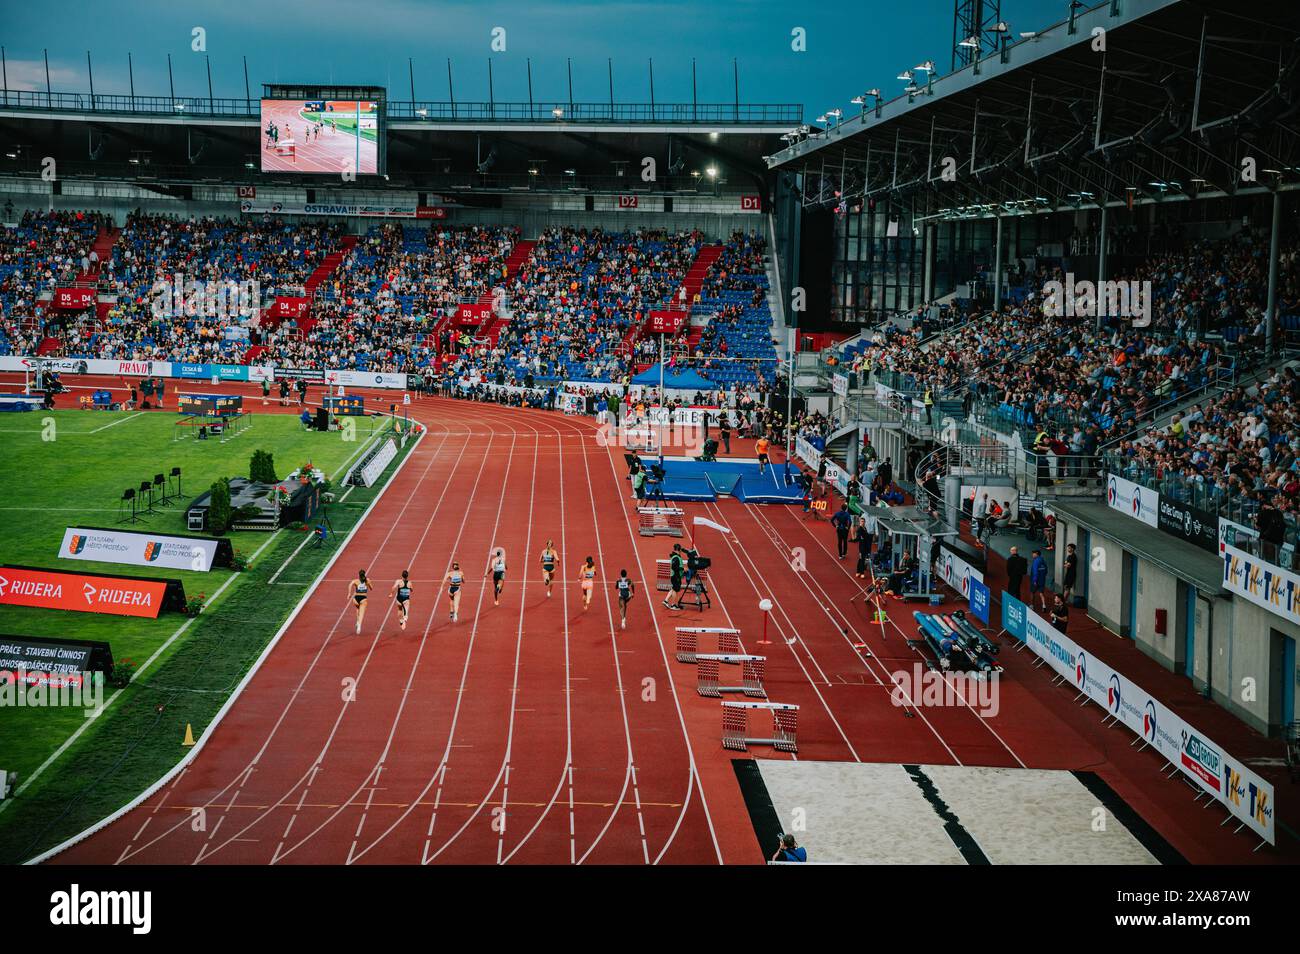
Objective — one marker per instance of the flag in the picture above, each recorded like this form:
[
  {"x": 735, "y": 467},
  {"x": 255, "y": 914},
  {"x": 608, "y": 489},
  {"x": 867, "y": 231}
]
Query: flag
[{"x": 706, "y": 522}]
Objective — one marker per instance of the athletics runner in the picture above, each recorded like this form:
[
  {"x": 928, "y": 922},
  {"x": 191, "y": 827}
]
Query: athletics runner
[
  {"x": 454, "y": 579},
  {"x": 401, "y": 592},
  {"x": 625, "y": 593},
  {"x": 761, "y": 449},
  {"x": 359, "y": 592},
  {"x": 497, "y": 567},
  {"x": 587, "y": 574},
  {"x": 549, "y": 559}
]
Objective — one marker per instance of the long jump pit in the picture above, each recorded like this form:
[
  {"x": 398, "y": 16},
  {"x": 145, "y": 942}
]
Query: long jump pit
[{"x": 892, "y": 814}]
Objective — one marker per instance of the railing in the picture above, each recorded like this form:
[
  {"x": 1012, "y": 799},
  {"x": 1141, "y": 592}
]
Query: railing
[{"x": 558, "y": 113}]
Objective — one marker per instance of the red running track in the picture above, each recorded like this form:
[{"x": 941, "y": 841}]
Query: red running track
[{"x": 540, "y": 732}]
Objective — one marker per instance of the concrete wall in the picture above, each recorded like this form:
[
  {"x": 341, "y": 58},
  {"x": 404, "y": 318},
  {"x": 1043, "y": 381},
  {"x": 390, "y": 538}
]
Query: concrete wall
[
  {"x": 1106, "y": 586},
  {"x": 1158, "y": 589},
  {"x": 1254, "y": 665}
]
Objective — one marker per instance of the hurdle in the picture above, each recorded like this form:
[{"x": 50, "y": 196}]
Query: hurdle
[
  {"x": 688, "y": 641},
  {"x": 663, "y": 575},
  {"x": 233, "y": 426},
  {"x": 661, "y": 521},
  {"x": 708, "y": 680},
  {"x": 735, "y": 726}
]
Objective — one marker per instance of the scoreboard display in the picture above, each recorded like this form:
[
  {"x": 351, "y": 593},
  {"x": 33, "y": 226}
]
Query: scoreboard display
[
  {"x": 323, "y": 130},
  {"x": 210, "y": 405}
]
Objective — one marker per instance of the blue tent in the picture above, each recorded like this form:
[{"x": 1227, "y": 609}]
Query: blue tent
[{"x": 686, "y": 380}]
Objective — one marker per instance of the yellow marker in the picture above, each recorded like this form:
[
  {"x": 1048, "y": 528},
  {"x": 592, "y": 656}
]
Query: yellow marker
[{"x": 189, "y": 735}]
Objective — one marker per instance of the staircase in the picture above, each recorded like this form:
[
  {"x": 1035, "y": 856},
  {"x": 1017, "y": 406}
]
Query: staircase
[
  {"x": 520, "y": 254},
  {"x": 694, "y": 280},
  {"x": 47, "y": 346},
  {"x": 103, "y": 248},
  {"x": 327, "y": 266}
]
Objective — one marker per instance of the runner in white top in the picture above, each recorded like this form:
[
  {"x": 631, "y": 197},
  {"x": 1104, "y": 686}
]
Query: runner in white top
[{"x": 497, "y": 567}]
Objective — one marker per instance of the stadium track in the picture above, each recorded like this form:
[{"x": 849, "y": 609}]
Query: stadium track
[{"x": 524, "y": 734}]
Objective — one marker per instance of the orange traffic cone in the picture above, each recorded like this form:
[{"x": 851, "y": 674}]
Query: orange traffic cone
[{"x": 189, "y": 735}]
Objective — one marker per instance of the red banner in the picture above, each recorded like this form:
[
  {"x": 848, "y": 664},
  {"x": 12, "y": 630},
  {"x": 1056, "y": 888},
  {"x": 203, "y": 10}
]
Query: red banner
[
  {"x": 430, "y": 212},
  {"x": 290, "y": 307},
  {"x": 475, "y": 314},
  {"x": 627, "y": 201},
  {"x": 665, "y": 322},
  {"x": 51, "y": 589},
  {"x": 751, "y": 203},
  {"x": 74, "y": 297}
]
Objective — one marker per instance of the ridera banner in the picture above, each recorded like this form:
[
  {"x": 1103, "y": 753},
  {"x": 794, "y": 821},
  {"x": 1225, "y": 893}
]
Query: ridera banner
[{"x": 83, "y": 593}]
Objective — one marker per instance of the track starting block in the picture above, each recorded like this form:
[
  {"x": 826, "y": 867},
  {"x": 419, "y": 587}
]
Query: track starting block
[
  {"x": 661, "y": 521},
  {"x": 688, "y": 641},
  {"x": 708, "y": 679},
  {"x": 736, "y": 732}
]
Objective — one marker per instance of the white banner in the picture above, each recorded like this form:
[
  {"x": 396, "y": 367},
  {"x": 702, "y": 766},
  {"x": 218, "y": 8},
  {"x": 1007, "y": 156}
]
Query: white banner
[
  {"x": 366, "y": 379},
  {"x": 137, "y": 369},
  {"x": 372, "y": 468},
  {"x": 1138, "y": 502},
  {"x": 138, "y": 549},
  {"x": 956, "y": 572},
  {"x": 1266, "y": 585},
  {"x": 840, "y": 384},
  {"x": 1231, "y": 533},
  {"x": 809, "y": 454},
  {"x": 1246, "y": 796}
]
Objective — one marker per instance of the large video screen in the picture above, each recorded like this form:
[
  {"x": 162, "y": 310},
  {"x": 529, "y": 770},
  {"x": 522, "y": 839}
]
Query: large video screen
[{"x": 327, "y": 136}]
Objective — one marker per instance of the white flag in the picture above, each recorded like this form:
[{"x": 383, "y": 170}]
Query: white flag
[{"x": 706, "y": 522}]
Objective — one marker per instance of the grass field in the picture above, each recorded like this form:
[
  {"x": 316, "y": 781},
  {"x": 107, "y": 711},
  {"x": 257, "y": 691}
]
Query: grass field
[
  {"x": 345, "y": 123},
  {"x": 76, "y": 478}
]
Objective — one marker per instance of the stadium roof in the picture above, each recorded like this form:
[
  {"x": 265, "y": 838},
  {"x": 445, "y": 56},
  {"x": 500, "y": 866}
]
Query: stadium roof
[{"x": 1153, "y": 99}]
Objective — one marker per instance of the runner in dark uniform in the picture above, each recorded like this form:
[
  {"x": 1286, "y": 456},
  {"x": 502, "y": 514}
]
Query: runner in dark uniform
[
  {"x": 549, "y": 559},
  {"x": 625, "y": 593},
  {"x": 401, "y": 591},
  {"x": 359, "y": 592},
  {"x": 675, "y": 578},
  {"x": 454, "y": 579}
]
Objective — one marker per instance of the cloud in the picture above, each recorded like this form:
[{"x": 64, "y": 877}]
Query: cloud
[{"x": 30, "y": 75}]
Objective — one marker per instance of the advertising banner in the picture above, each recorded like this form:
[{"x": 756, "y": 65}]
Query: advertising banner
[
  {"x": 84, "y": 593},
  {"x": 1138, "y": 502},
  {"x": 1196, "y": 526},
  {"x": 1233, "y": 534},
  {"x": 255, "y": 207},
  {"x": 74, "y": 298},
  {"x": 139, "y": 549},
  {"x": 52, "y": 662},
  {"x": 366, "y": 379},
  {"x": 136, "y": 369},
  {"x": 840, "y": 384},
  {"x": 957, "y": 572},
  {"x": 1245, "y": 795},
  {"x": 1275, "y": 589},
  {"x": 1014, "y": 620},
  {"x": 979, "y": 601}
]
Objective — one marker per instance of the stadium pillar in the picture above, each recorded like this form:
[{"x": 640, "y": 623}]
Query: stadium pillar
[
  {"x": 997, "y": 264},
  {"x": 1270, "y": 321},
  {"x": 1101, "y": 259},
  {"x": 927, "y": 281}
]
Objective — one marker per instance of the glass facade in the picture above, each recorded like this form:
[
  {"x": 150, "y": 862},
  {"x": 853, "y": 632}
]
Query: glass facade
[{"x": 876, "y": 270}]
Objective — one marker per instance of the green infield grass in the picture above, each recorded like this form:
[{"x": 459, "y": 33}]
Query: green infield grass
[{"x": 189, "y": 666}]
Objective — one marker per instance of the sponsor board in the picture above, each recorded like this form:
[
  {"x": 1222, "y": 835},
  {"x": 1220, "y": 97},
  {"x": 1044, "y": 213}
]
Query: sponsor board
[
  {"x": 365, "y": 379},
  {"x": 1189, "y": 523},
  {"x": 139, "y": 549},
  {"x": 51, "y": 662},
  {"x": 979, "y": 601},
  {"x": 1245, "y": 795},
  {"x": 1232, "y": 534},
  {"x": 130, "y": 369},
  {"x": 254, "y": 207},
  {"x": 1138, "y": 502},
  {"x": 1275, "y": 589},
  {"x": 840, "y": 384},
  {"x": 83, "y": 593},
  {"x": 956, "y": 572},
  {"x": 370, "y": 469},
  {"x": 1014, "y": 620}
]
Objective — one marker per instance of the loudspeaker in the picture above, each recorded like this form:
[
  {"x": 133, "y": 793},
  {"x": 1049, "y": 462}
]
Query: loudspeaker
[{"x": 322, "y": 419}]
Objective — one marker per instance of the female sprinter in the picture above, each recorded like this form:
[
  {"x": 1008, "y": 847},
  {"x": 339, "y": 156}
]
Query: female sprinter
[
  {"x": 401, "y": 592},
  {"x": 454, "y": 579},
  {"x": 625, "y": 593},
  {"x": 358, "y": 592},
  {"x": 497, "y": 567},
  {"x": 549, "y": 559},
  {"x": 587, "y": 574}
]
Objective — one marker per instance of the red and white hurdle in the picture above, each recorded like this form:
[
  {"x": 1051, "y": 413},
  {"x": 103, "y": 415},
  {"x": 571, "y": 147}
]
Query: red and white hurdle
[
  {"x": 735, "y": 726},
  {"x": 688, "y": 641},
  {"x": 708, "y": 679}
]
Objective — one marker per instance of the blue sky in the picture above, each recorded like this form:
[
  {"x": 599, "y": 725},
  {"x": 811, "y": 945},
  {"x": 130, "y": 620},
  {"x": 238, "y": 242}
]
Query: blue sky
[{"x": 850, "y": 46}]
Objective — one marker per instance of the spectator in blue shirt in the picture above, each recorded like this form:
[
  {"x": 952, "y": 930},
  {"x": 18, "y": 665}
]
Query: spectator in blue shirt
[{"x": 1038, "y": 581}]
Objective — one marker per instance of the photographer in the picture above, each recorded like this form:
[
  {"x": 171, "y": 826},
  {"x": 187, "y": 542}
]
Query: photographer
[{"x": 788, "y": 850}]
